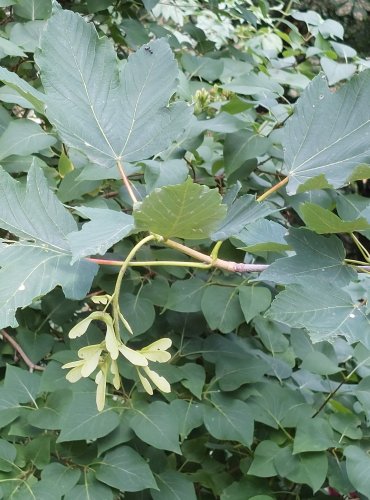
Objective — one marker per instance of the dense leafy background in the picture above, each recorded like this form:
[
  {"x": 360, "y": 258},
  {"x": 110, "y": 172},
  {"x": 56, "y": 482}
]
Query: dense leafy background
[{"x": 206, "y": 105}]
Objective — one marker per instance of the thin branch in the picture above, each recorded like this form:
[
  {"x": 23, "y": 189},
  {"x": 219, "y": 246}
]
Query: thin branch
[
  {"x": 226, "y": 265},
  {"x": 21, "y": 352}
]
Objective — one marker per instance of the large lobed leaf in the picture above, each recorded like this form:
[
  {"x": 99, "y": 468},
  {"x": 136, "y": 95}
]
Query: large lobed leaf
[
  {"x": 324, "y": 310},
  {"x": 41, "y": 258},
  {"x": 328, "y": 134},
  {"x": 107, "y": 114}
]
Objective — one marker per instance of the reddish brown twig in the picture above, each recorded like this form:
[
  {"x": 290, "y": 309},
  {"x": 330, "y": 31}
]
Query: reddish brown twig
[{"x": 21, "y": 352}]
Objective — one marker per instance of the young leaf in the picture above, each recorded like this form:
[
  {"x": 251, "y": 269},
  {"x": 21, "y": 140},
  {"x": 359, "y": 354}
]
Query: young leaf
[
  {"x": 187, "y": 210},
  {"x": 323, "y": 221},
  {"x": 104, "y": 230},
  {"x": 106, "y": 115},
  {"x": 328, "y": 132}
]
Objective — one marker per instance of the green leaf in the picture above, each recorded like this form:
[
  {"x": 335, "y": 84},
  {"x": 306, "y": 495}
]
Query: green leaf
[
  {"x": 357, "y": 464},
  {"x": 186, "y": 295},
  {"x": 124, "y": 469},
  {"x": 33, "y": 9},
  {"x": 73, "y": 186},
  {"x": 253, "y": 300},
  {"x": 323, "y": 221},
  {"x": 185, "y": 210},
  {"x": 37, "y": 451},
  {"x": 166, "y": 173},
  {"x": 316, "y": 257},
  {"x": 139, "y": 312},
  {"x": 51, "y": 414},
  {"x": 204, "y": 67},
  {"x": 327, "y": 134},
  {"x": 229, "y": 419},
  {"x": 90, "y": 490},
  {"x": 22, "y": 385},
  {"x": 221, "y": 308},
  {"x": 263, "y": 236},
  {"x": 82, "y": 420},
  {"x": 35, "y": 344},
  {"x": 24, "y": 89},
  {"x": 307, "y": 468},
  {"x": 277, "y": 406},
  {"x": 263, "y": 460},
  {"x": 242, "y": 146},
  {"x": 10, "y": 49},
  {"x": 27, "y": 34},
  {"x": 59, "y": 477},
  {"x": 9, "y": 407},
  {"x": 41, "y": 259},
  {"x": 271, "y": 334},
  {"x": 24, "y": 137},
  {"x": 313, "y": 434},
  {"x": 157, "y": 424},
  {"x": 235, "y": 364},
  {"x": 255, "y": 84},
  {"x": 195, "y": 377},
  {"x": 246, "y": 489},
  {"x": 347, "y": 424},
  {"x": 242, "y": 212},
  {"x": 324, "y": 310},
  {"x": 353, "y": 206},
  {"x": 317, "y": 362},
  {"x": 190, "y": 416},
  {"x": 106, "y": 227},
  {"x": 106, "y": 115},
  {"x": 8, "y": 452},
  {"x": 173, "y": 486},
  {"x": 335, "y": 71}
]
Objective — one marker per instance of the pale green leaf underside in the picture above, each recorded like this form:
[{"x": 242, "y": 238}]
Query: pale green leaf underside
[
  {"x": 328, "y": 133},
  {"x": 324, "y": 310},
  {"x": 187, "y": 210},
  {"x": 41, "y": 259},
  {"x": 24, "y": 89},
  {"x": 104, "y": 230},
  {"x": 242, "y": 212},
  {"x": 22, "y": 138},
  {"x": 108, "y": 115},
  {"x": 316, "y": 256},
  {"x": 29, "y": 271},
  {"x": 34, "y": 213}
]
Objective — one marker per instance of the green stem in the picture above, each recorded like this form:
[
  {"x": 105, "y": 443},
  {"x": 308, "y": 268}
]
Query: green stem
[
  {"x": 178, "y": 263},
  {"x": 117, "y": 288}
]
